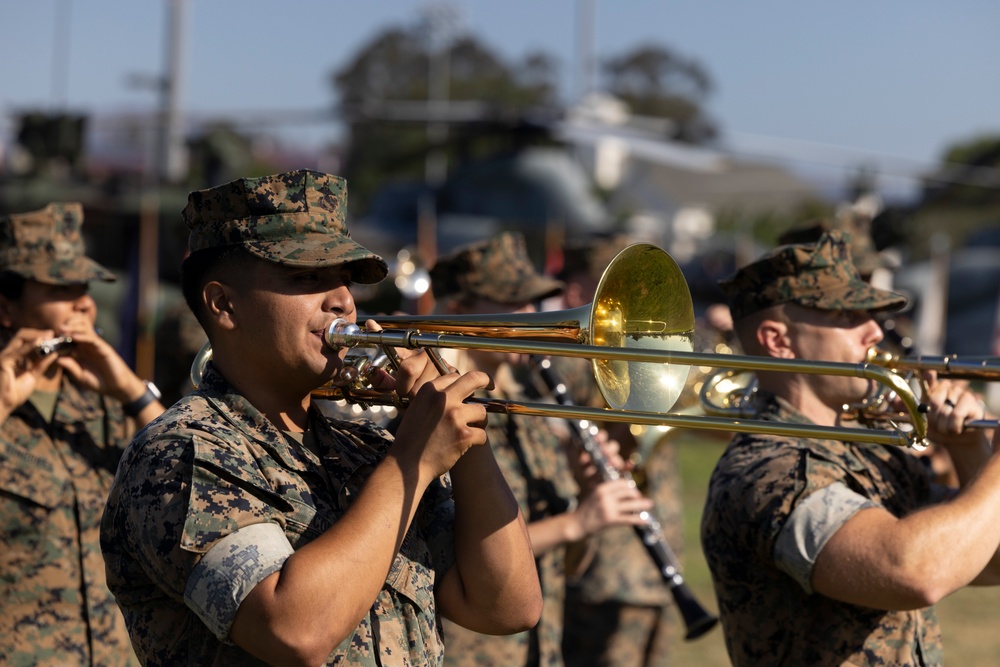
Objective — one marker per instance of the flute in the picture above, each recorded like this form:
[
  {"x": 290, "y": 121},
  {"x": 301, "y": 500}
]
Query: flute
[{"x": 48, "y": 346}]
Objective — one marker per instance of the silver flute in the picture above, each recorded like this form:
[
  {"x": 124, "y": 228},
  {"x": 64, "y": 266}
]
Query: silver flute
[{"x": 50, "y": 345}]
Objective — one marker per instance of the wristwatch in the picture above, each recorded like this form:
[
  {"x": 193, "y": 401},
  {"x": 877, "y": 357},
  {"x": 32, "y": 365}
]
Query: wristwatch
[{"x": 135, "y": 407}]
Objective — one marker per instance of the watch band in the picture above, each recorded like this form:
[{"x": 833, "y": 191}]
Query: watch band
[{"x": 133, "y": 408}]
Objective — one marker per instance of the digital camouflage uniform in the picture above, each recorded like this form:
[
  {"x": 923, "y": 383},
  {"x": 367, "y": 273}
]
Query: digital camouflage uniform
[
  {"x": 220, "y": 466},
  {"x": 55, "y": 607},
  {"x": 528, "y": 453},
  {"x": 619, "y": 609},
  {"x": 535, "y": 467},
  {"x": 211, "y": 498},
  {"x": 773, "y": 501},
  {"x": 771, "y": 617}
]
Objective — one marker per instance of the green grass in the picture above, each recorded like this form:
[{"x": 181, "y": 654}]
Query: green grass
[{"x": 968, "y": 618}]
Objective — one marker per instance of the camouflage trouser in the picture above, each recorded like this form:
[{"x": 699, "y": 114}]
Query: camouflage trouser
[{"x": 616, "y": 635}]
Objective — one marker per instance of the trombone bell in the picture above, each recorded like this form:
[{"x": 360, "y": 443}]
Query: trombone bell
[{"x": 642, "y": 302}]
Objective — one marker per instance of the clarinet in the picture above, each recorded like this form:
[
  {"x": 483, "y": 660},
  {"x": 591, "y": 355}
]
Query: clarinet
[{"x": 697, "y": 619}]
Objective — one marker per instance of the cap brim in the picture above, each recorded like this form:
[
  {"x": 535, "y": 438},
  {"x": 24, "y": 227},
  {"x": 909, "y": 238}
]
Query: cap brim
[
  {"x": 316, "y": 250},
  {"x": 859, "y": 295},
  {"x": 538, "y": 288},
  {"x": 71, "y": 272}
]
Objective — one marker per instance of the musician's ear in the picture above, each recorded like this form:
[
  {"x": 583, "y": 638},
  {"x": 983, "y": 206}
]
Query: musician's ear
[{"x": 773, "y": 338}]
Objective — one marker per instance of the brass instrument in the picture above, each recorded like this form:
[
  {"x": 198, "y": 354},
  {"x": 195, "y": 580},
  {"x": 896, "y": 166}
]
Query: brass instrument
[
  {"x": 909, "y": 367},
  {"x": 950, "y": 366},
  {"x": 728, "y": 392},
  {"x": 638, "y": 335}
]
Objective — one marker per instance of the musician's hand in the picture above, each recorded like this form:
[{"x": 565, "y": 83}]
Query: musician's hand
[
  {"x": 587, "y": 473},
  {"x": 611, "y": 503},
  {"x": 952, "y": 403},
  {"x": 94, "y": 363},
  {"x": 439, "y": 426},
  {"x": 20, "y": 368}
]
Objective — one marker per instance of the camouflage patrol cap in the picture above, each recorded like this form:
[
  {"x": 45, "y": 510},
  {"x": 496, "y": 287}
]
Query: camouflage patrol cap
[
  {"x": 820, "y": 275},
  {"x": 497, "y": 269},
  {"x": 295, "y": 219},
  {"x": 47, "y": 246}
]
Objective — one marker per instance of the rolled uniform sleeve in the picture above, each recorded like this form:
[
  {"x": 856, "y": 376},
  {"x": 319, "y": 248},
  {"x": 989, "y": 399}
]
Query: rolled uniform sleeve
[
  {"x": 230, "y": 570},
  {"x": 810, "y": 525}
]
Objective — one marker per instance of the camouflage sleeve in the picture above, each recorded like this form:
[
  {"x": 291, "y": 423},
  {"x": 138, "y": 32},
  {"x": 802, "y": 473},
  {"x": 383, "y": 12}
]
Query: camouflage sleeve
[
  {"x": 184, "y": 491},
  {"x": 438, "y": 524},
  {"x": 230, "y": 570},
  {"x": 814, "y": 521},
  {"x": 228, "y": 492}
]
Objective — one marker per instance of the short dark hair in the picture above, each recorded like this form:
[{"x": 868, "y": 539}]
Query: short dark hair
[
  {"x": 202, "y": 266},
  {"x": 12, "y": 285}
]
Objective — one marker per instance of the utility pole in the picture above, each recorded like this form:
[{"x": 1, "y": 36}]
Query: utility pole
[
  {"x": 172, "y": 151},
  {"x": 586, "y": 68},
  {"x": 439, "y": 19},
  {"x": 170, "y": 167},
  {"x": 61, "y": 55}
]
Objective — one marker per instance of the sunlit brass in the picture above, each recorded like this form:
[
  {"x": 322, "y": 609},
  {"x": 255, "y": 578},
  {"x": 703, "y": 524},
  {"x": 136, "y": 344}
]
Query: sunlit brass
[
  {"x": 637, "y": 333},
  {"x": 951, "y": 366},
  {"x": 727, "y": 392}
]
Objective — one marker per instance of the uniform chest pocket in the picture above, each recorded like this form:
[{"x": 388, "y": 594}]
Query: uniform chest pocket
[
  {"x": 32, "y": 479},
  {"x": 30, "y": 496}
]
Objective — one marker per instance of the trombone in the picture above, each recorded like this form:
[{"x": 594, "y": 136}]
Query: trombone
[
  {"x": 728, "y": 392},
  {"x": 638, "y": 334}
]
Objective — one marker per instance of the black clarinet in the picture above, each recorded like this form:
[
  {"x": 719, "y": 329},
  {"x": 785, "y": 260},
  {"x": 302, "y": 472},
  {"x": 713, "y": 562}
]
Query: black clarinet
[{"x": 697, "y": 619}]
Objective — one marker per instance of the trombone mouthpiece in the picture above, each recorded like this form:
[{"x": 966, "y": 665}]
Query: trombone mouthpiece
[{"x": 342, "y": 333}]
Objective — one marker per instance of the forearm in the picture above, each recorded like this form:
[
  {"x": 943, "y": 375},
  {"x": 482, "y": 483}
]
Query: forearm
[
  {"x": 548, "y": 533},
  {"x": 880, "y": 561},
  {"x": 950, "y": 544},
  {"x": 969, "y": 459},
  {"x": 493, "y": 587},
  {"x": 325, "y": 588}
]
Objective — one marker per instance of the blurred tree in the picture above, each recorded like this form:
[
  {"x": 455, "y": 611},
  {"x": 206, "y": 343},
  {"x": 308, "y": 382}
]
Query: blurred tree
[
  {"x": 218, "y": 154},
  {"x": 969, "y": 175},
  {"x": 385, "y": 95},
  {"x": 656, "y": 81},
  {"x": 961, "y": 197},
  {"x": 51, "y": 138}
]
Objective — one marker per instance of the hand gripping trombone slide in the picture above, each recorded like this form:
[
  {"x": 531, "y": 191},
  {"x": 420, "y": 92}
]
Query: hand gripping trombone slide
[{"x": 697, "y": 620}]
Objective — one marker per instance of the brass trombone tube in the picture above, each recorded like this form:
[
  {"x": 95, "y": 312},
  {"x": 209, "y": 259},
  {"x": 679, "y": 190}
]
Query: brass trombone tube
[
  {"x": 415, "y": 339},
  {"x": 528, "y": 409},
  {"x": 984, "y": 368}
]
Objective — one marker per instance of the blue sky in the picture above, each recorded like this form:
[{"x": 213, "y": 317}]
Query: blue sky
[{"x": 838, "y": 82}]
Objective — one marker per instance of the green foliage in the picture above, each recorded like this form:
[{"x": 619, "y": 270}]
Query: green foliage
[
  {"x": 656, "y": 81},
  {"x": 396, "y": 67},
  {"x": 968, "y": 176},
  {"x": 766, "y": 226},
  {"x": 978, "y": 150},
  {"x": 960, "y": 198}
]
